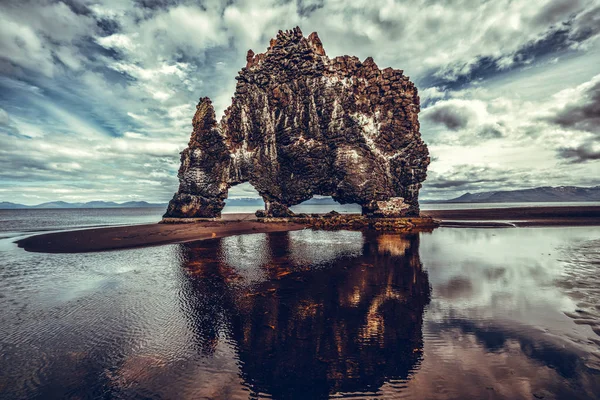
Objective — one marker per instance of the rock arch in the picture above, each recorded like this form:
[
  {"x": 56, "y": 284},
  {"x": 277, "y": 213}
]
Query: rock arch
[{"x": 302, "y": 124}]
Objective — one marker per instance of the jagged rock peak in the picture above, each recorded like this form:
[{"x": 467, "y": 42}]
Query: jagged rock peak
[
  {"x": 286, "y": 42},
  {"x": 302, "y": 124},
  {"x": 204, "y": 120}
]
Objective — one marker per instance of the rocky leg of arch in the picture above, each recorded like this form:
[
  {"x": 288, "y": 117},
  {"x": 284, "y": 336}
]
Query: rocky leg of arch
[
  {"x": 203, "y": 174},
  {"x": 276, "y": 209},
  {"x": 411, "y": 198},
  {"x": 185, "y": 205},
  {"x": 395, "y": 207},
  {"x": 369, "y": 209}
]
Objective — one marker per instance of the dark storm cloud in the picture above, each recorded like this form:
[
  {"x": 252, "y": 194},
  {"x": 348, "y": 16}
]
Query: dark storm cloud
[
  {"x": 451, "y": 116},
  {"x": 467, "y": 176},
  {"x": 582, "y": 113},
  {"x": 77, "y": 6},
  {"x": 490, "y": 131},
  {"x": 466, "y": 122},
  {"x": 306, "y": 7},
  {"x": 586, "y": 25},
  {"x": 555, "y": 11},
  {"x": 442, "y": 183},
  {"x": 108, "y": 26},
  {"x": 155, "y": 4},
  {"x": 580, "y": 154},
  {"x": 25, "y": 169}
]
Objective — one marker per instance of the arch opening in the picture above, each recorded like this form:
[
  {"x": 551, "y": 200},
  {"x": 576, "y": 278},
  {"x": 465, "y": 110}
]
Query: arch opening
[
  {"x": 243, "y": 198},
  {"x": 324, "y": 204}
]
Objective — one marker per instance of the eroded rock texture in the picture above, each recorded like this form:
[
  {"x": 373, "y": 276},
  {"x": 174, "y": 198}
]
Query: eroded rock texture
[{"x": 302, "y": 124}]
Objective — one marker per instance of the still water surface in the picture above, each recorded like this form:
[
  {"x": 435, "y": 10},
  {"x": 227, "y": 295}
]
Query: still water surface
[{"x": 453, "y": 314}]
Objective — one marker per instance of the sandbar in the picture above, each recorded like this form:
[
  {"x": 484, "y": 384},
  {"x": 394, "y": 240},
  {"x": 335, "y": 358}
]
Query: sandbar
[{"x": 133, "y": 236}]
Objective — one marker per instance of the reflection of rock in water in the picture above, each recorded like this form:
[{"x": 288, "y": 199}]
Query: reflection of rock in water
[
  {"x": 343, "y": 329},
  {"x": 348, "y": 327},
  {"x": 390, "y": 243}
]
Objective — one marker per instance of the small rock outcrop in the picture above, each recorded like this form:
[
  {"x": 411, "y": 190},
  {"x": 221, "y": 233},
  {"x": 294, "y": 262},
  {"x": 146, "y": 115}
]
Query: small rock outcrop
[{"x": 302, "y": 124}]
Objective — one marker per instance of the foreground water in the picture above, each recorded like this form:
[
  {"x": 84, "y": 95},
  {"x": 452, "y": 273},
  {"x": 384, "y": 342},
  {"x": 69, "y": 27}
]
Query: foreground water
[{"x": 454, "y": 314}]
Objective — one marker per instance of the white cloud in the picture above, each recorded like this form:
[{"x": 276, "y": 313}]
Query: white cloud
[
  {"x": 21, "y": 46},
  {"x": 136, "y": 146},
  {"x": 118, "y": 41},
  {"x": 511, "y": 142},
  {"x": 33, "y": 39},
  {"x": 112, "y": 88},
  {"x": 431, "y": 93}
]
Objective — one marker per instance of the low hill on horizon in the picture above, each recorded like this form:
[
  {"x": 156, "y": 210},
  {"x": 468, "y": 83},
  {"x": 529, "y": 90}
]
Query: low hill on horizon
[
  {"x": 6, "y": 205},
  {"x": 540, "y": 194}
]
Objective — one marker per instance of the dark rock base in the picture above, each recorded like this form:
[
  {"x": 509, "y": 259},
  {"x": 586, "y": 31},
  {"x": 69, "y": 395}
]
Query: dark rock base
[{"x": 359, "y": 222}]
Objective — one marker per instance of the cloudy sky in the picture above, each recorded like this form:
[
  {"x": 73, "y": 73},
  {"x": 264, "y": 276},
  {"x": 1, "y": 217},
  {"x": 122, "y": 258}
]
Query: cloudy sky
[{"x": 96, "y": 97}]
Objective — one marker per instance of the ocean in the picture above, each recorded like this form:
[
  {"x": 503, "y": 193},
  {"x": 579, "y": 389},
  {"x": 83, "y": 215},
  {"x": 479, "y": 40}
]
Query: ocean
[
  {"x": 29, "y": 221},
  {"x": 497, "y": 313}
]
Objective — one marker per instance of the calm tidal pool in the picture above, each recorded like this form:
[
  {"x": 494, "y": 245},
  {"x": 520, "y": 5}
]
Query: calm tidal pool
[{"x": 453, "y": 314}]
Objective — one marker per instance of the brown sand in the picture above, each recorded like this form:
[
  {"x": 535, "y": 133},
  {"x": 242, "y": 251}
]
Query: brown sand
[
  {"x": 521, "y": 216},
  {"x": 123, "y": 237},
  {"x": 517, "y": 216}
]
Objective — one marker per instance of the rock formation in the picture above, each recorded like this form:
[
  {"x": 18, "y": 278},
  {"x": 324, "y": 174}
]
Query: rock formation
[{"x": 302, "y": 124}]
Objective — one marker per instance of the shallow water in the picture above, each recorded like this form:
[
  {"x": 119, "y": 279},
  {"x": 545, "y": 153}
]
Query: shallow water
[
  {"x": 458, "y": 313},
  {"x": 20, "y": 222}
]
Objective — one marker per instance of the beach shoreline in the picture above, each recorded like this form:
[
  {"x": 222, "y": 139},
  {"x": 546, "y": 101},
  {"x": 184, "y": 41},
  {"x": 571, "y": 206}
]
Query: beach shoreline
[
  {"x": 145, "y": 235},
  {"x": 518, "y": 216}
]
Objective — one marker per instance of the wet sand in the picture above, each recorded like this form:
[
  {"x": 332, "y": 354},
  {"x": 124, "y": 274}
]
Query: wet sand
[
  {"x": 521, "y": 216},
  {"x": 124, "y": 237}
]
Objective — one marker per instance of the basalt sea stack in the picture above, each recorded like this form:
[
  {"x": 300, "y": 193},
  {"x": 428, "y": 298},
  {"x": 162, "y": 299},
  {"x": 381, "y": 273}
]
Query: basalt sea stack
[{"x": 302, "y": 124}]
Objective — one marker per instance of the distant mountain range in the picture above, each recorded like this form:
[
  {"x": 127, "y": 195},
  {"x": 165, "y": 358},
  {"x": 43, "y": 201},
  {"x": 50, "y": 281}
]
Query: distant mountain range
[
  {"x": 5, "y": 205},
  {"x": 540, "y": 194},
  {"x": 247, "y": 201}
]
